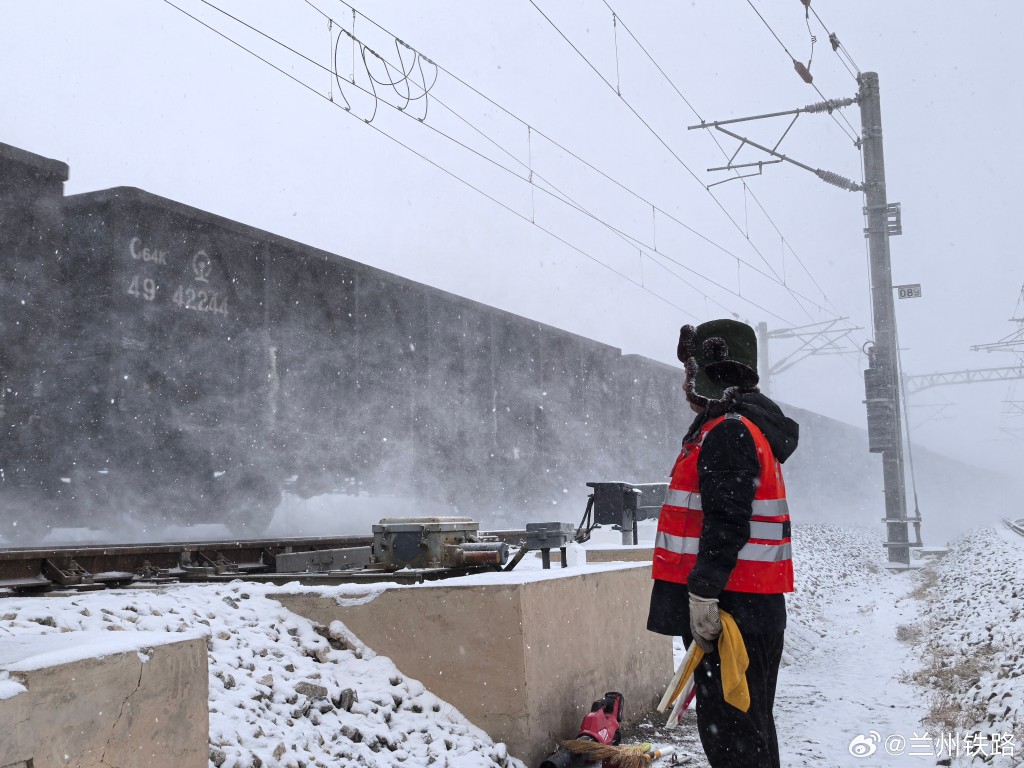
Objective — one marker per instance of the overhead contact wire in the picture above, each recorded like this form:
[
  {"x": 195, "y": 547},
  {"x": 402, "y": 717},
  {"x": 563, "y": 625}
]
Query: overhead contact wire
[
  {"x": 561, "y": 196},
  {"x": 674, "y": 154},
  {"x": 653, "y": 132},
  {"x": 837, "y": 45},
  {"x": 774, "y": 277},
  {"x": 567, "y": 200},
  {"x": 725, "y": 154},
  {"x": 852, "y": 137},
  {"x": 598, "y": 170},
  {"x": 424, "y": 157}
]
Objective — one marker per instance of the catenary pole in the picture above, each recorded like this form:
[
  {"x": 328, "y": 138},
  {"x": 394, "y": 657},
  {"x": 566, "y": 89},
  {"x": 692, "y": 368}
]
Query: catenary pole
[{"x": 882, "y": 380}]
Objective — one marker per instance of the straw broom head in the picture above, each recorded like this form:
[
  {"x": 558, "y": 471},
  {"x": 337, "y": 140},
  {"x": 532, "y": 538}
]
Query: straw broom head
[
  {"x": 592, "y": 750},
  {"x": 633, "y": 756},
  {"x": 639, "y": 756}
]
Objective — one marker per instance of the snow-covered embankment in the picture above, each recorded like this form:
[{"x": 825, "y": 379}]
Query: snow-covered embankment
[{"x": 971, "y": 635}]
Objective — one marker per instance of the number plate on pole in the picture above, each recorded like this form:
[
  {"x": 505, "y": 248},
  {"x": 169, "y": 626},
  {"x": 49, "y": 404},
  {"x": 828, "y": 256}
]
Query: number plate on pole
[{"x": 912, "y": 291}]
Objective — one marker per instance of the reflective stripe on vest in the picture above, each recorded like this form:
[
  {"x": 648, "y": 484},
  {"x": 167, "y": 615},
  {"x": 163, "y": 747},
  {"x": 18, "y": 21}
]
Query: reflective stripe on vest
[
  {"x": 758, "y": 553},
  {"x": 762, "y": 508}
]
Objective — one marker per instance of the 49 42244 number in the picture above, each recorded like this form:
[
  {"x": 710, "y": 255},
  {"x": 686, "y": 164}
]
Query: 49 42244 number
[{"x": 200, "y": 301}]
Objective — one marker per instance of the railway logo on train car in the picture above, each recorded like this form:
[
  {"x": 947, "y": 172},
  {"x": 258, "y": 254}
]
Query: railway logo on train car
[{"x": 201, "y": 266}]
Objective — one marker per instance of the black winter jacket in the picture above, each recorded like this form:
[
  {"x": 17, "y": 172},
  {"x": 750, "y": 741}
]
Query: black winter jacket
[{"x": 727, "y": 470}]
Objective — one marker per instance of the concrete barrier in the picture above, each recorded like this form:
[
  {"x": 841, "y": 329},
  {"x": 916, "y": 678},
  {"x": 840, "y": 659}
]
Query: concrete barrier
[
  {"x": 17, "y": 739},
  {"x": 521, "y": 659},
  {"x": 104, "y": 699}
]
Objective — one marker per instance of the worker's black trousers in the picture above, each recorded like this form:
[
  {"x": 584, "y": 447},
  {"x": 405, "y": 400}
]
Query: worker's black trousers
[{"x": 731, "y": 738}]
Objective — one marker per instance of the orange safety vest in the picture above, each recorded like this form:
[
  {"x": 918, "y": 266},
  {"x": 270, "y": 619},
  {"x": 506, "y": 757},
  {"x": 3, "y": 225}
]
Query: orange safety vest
[{"x": 765, "y": 562}]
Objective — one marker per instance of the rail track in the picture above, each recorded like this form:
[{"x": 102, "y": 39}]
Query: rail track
[
  {"x": 91, "y": 567},
  {"x": 1017, "y": 526}
]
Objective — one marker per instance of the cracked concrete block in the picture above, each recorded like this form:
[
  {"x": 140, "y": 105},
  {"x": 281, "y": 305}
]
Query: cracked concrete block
[
  {"x": 17, "y": 739},
  {"x": 138, "y": 698}
]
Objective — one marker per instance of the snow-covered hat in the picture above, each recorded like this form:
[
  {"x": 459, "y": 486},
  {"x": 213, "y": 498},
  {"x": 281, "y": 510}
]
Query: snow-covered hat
[{"x": 718, "y": 355}]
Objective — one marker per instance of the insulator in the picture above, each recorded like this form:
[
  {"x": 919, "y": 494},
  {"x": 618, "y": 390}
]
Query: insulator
[
  {"x": 802, "y": 70},
  {"x": 831, "y": 104},
  {"x": 840, "y": 181}
]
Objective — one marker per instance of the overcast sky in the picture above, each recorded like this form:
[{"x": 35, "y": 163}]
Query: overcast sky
[{"x": 138, "y": 94}]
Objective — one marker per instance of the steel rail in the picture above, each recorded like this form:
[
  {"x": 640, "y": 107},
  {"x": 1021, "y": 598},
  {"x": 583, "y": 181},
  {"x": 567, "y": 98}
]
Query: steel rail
[{"x": 95, "y": 566}]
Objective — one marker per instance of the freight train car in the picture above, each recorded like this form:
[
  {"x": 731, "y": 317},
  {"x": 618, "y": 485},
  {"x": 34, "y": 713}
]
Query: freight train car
[
  {"x": 31, "y": 200},
  {"x": 190, "y": 368}
]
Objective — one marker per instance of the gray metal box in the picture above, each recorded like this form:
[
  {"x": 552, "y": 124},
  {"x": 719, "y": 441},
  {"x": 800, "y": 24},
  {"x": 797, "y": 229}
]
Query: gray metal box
[
  {"x": 418, "y": 542},
  {"x": 652, "y": 497}
]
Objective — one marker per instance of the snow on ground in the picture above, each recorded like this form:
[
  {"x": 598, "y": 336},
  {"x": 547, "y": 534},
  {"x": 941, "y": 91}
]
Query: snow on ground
[
  {"x": 868, "y": 651},
  {"x": 844, "y": 666},
  {"x": 847, "y": 693}
]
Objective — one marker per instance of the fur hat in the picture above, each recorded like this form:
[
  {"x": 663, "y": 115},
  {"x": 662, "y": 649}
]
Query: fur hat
[{"x": 719, "y": 355}]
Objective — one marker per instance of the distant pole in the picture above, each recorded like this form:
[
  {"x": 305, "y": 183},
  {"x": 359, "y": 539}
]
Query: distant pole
[
  {"x": 881, "y": 380},
  {"x": 762, "y": 359}
]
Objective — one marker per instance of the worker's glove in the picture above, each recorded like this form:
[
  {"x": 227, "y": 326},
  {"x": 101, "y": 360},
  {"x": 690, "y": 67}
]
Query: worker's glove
[{"x": 705, "y": 624}]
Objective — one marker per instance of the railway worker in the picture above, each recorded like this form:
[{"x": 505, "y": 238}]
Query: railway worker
[{"x": 724, "y": 538}]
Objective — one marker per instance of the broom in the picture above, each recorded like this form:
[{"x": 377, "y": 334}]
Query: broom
[{"x": 632, "y": 756}]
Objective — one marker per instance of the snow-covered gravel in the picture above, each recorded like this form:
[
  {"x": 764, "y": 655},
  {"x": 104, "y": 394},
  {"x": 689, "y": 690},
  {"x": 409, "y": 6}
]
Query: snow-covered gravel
[{"x": 973, "y": 632}]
